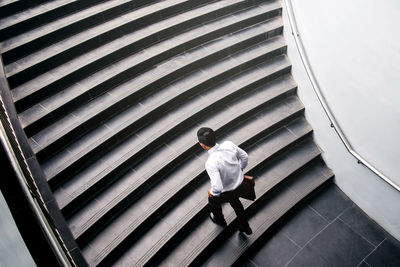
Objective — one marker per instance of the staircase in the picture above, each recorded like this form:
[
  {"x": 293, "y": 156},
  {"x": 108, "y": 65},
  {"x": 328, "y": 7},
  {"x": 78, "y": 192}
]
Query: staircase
[{"x": 110, "y": 95}]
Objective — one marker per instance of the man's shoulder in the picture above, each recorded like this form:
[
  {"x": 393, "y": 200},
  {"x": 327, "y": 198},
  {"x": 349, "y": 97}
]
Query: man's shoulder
[{"x": 227, "y": 144}]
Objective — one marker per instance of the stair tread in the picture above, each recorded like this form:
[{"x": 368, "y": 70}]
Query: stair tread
[
  {"x": 49, "y": 77},
  {"x": 178, "y": 146},
  {"x": 184, "y": 144},
  {"x": 46, "y": 106},
  {"x": 48, "y": 28},
  {"x": 123, "y": 41},
  {"x": 139, "y": 141},
  {"x": 128, "y": 117},
  {"x": 54, "y": 102},
  {"x": 32, "y": 12},
  {"x": 205, "y": 233},
  {"x": 60, "y": 128},
  {"x": 123, "y": 226},
  {"x": 7, "y": 2}
]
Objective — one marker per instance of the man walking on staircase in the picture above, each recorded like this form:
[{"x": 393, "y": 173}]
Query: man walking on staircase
[{"x": 224, "y": 166}]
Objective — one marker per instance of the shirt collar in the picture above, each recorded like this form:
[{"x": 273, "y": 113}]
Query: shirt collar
[{"x": 211, "y": 150}]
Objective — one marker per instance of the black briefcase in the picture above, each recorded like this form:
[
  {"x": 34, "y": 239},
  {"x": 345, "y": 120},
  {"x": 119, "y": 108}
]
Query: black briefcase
[{"x": 247, "y": 188}]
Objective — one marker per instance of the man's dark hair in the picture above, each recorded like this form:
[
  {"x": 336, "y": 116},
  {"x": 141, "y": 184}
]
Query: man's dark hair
[{"x": 206, "y": 136}]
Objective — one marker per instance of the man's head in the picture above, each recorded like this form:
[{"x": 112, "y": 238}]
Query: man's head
[{"x": 206, "y": 137}]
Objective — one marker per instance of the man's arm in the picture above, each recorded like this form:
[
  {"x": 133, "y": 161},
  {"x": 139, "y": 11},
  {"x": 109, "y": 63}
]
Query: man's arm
[
  {"x": 242, "y": 156},
  {"x": 215, "y": 178}
]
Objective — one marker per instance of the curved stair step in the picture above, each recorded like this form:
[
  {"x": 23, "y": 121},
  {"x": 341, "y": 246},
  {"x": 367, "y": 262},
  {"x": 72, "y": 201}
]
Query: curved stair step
[
  {"x": 13, "y": 7},
  {"x": 42, "y": 114},
  {"x": 107, "y": 169},
  {"x": 91, "y": 18},
  {"x": 48, "y": 140},
  {"x": 126, "y": 187},
  {"x": 96, "y": 47},
  {"x": 123, "y": 228},
  {"x": 35, "y": 16},
  {"x": 125, "y": 124},
  {"x": 83, "y": 91}
]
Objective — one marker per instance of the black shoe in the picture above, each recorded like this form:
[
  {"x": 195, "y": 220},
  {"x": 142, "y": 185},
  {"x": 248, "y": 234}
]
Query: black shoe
[
  {"x": 221, "y": 223},
  {"x": 247, "y": 230}
]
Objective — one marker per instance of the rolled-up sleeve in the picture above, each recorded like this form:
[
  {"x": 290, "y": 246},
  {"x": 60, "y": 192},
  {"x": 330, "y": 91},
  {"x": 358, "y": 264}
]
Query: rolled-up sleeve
[{"x": 216, "y": 183}]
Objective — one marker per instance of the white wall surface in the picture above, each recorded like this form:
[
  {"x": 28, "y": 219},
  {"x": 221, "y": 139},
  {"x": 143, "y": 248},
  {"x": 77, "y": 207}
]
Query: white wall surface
[
  {"x": 354, "y": 50},
  {"x": 13, "y": 252}
]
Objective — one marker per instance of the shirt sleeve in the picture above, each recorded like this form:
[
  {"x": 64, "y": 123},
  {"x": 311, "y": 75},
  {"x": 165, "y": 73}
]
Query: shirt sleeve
[
  {"x": 216, "y": 183},
  {"x": 242, "y": 156}
]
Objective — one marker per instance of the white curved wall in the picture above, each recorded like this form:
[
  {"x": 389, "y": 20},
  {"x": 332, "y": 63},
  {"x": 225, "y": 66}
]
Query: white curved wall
[{"x": 354, "y": 50}]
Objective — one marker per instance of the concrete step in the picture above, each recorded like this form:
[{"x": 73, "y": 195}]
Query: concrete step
[
  {"x": 33, "y": 17},
  {"x": 82, "y": 43},
  {"x": 125, "y": 124},
  {"x": 124, "y": 231},
  {"x": 146, "y": 140},
  {"x": 128, "y": 186},
  {"x": 12, "y": 7},
  {"x": 52, "y": 107},
  {"x": 71, "y": 192},
  {"x": 91, "y": 18},
  {"x": 129, "y": 95},
  {"x": 105, "y": 43}
]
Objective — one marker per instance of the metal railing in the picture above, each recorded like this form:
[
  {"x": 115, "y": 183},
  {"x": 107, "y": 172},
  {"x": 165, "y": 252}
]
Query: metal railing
[
  {"x": 11, "y": 143},
  {"x": 317, "y": 90}
]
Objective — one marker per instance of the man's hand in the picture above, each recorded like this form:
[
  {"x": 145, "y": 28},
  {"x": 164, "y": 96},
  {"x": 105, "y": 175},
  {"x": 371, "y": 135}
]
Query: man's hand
[{"x": 209, "y": 194}]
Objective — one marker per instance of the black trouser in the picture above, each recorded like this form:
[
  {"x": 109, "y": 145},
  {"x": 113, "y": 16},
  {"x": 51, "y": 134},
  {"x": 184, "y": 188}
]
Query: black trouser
[{"x": 233, "y": 198}]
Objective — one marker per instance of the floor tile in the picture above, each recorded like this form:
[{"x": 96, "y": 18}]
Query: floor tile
[
  {"x": 340, "y": 245},
  {"x": 330, "y": 202},
  {"x": 276, "y": 252},
  {"x": 363, "y": 225},
  {"x": 308, "y": 257},
  {"x": 387, "y": 254},
  {"x": 304, "y": 225},
  {"x": 363, "y": 264}
]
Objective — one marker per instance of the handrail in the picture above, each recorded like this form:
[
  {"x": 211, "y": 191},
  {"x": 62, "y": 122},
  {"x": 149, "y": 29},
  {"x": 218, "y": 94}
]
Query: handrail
[
  {"x": 317, "y": 90},
  {"x": 33, "y": 203},
  {"x": 21, "y": 158}
]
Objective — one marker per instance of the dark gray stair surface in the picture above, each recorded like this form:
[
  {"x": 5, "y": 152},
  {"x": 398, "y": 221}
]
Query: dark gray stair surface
[
  {"x": 102, "y": 79},
  {"x": 327, "y": 229},
  {"x": 110, "y": 95},
  {"x": 163, "y": 99}
]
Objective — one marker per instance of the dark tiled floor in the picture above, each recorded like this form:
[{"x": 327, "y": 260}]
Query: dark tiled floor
[{"x": 327, "y": 230}]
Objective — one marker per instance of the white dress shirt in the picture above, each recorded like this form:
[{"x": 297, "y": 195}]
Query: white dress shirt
[{"x": 224, "y": 167}]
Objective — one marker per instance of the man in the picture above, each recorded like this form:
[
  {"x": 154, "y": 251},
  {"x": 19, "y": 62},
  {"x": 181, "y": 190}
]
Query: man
[{"x": 224, "y": 166}]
